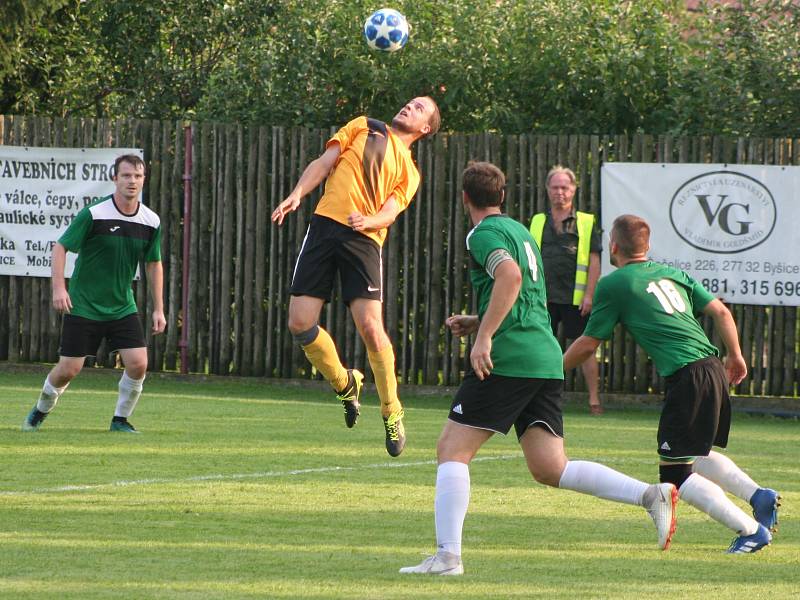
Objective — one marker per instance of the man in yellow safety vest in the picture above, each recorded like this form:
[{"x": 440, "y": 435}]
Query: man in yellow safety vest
[{"x": 570, "y": 245}]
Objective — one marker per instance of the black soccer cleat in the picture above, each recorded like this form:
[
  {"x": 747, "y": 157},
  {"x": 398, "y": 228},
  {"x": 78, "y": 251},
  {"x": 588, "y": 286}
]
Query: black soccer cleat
[
  {"x": 395, "y": 433},
  {"x": 349, "y": 397}
]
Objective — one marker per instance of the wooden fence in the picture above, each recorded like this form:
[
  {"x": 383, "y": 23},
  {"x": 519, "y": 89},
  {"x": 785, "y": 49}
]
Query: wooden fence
[{"x": 241, "y": 264}]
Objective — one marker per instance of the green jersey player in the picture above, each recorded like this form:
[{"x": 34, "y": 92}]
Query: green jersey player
[
  {"x": 516, "y": 378},
  {"x": 658, "y": 306},
  {"x": 111, "y": 237}
]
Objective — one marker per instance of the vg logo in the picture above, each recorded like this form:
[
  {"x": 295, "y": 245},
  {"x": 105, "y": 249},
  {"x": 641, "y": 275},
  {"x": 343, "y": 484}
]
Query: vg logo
[{"x": 723, "y": 212}]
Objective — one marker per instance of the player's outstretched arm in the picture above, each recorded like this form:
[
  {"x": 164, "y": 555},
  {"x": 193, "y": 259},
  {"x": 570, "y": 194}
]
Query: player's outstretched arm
[
  {"x": 155, "y": 280},
  {"x": 316, "y": 171},
  {"x": 579, "y": 351},
  {"x": 735, "y": 365},
  {"x": 61, "y": 299}
]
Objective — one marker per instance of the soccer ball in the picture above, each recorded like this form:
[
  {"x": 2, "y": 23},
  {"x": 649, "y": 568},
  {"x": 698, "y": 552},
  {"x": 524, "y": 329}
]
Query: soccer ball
[{"x": 386, "y": 30}]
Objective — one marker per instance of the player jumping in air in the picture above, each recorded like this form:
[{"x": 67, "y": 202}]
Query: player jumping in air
[
  {"x": 371, "y": 178},
  {"x": 657, "y": 304}
]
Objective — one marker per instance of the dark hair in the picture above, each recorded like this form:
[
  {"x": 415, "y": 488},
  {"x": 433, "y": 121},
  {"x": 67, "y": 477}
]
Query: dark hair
[
  {"x": 631, "y": 234},
  {"x": 131, "y": 159},
  {"x": 483, "y": 182},
  {"x": 436, "y": 118}
]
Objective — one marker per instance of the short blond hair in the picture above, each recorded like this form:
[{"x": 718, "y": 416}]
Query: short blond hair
[{"x": 558, "y": 169}]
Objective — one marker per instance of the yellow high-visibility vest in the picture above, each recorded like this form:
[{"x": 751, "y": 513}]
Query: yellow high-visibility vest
[{"x": 584, "y": 228}]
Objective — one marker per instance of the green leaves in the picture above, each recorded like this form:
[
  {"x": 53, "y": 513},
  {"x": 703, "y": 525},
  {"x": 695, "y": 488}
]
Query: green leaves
[{"x": 584, "y": 66}]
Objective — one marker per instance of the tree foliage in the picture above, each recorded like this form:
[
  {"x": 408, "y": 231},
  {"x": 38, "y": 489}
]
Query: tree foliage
[
  {"x": 20, "y": 17},
  {"x": 588, "y": 66}
]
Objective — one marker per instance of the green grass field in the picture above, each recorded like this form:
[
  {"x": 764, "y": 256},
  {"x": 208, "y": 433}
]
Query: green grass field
[{"x": 248, "y": 489}]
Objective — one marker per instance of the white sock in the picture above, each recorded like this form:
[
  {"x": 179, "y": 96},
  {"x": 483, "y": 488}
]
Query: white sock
[
  {"x": 452, "y": 499},
  {"x": 49, "y": 396},
  {"x": 708, "y": 497},
  {"x": 726, "y": 474},
  {"x": 129, "y": 392},
  {"x": 601, "y": 481}
]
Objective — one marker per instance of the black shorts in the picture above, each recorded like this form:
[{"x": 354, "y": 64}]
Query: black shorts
[
  {"x": 498, "y": 402},
  {"x": 81, "y": 337},
  {"x": 570, "y": 317},
  {"x": 329, "y": 247},
  {"x": 697, "y": 410}
]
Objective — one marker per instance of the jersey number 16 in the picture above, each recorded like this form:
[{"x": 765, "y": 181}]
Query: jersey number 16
[{"x": 668, "y": 296}]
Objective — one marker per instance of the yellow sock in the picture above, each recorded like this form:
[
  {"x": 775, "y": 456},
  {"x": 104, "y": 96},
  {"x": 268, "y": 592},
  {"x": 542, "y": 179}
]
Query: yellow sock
[
  {"x": 322, "y": 354},
  {"x": 382, "y": 364}
]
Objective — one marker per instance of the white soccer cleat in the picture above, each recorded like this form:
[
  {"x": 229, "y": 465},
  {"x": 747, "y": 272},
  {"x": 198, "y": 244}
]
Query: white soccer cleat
[
  {"x": 441, "y": 563},
  {"x": 660, "y": 501}
]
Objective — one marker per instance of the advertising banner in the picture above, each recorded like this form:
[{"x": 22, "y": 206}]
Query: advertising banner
[
  {"x": 734, "y": 228},
  {"x": 41, "y": 191}
]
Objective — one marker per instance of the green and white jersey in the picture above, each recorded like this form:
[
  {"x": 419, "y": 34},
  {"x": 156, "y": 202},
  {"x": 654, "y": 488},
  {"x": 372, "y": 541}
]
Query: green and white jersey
[
  {"x": 523, "y": 345},
  {"x": 110, "y": 246},
  {"x": 657, "y": 304}
]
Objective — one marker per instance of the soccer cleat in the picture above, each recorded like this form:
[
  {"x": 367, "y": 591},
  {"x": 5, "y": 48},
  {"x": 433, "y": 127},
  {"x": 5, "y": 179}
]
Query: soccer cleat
[
  {"x": 747, "y": 544},
  {"x": 765, "y": 503},
  {"x": 660, "y": 500},
  {"x": 441, "y": 563},
  {"x": 395, "y": 433},
  {"x": 34, "y": 420},
  {"x": 123, "y": 427},
  {"x": 349, "y": 396}
]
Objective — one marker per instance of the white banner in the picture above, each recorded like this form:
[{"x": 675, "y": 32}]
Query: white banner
[
  {"x": 734, "y": 228},
  {"x": 41, "y": 191}
]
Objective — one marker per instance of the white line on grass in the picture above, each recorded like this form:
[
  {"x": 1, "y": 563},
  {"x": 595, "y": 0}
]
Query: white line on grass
[
  {"x": 202, "y": 397},
  {"x": 236, "y": 476}
]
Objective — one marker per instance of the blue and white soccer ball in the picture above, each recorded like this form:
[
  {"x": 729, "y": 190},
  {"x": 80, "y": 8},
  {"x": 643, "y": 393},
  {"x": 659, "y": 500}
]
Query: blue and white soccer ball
[{"x": 386, "y": 30}]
